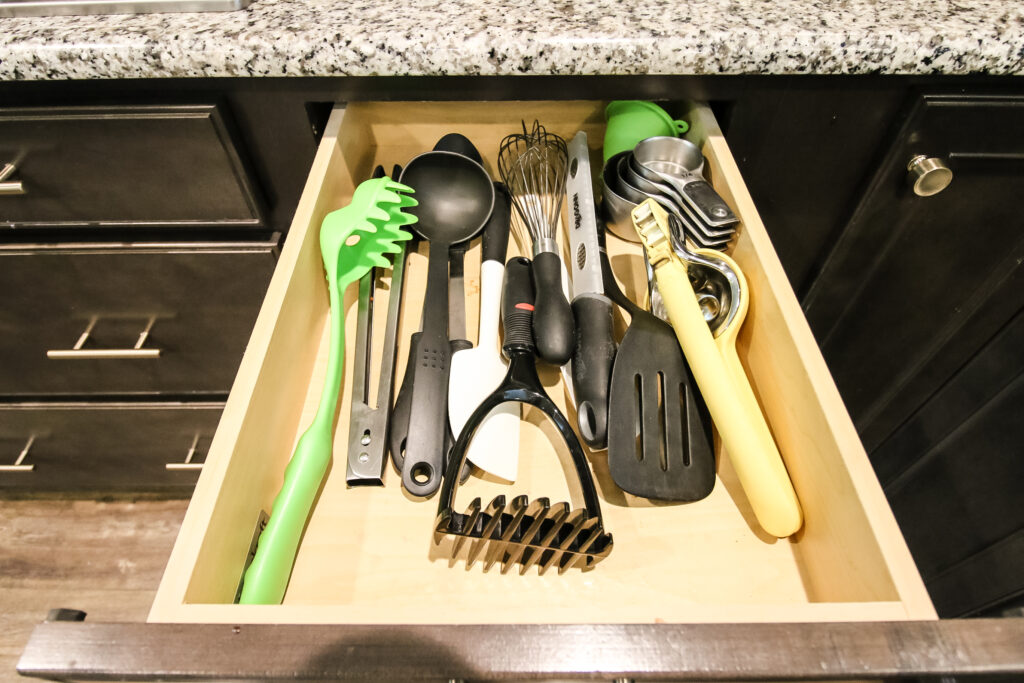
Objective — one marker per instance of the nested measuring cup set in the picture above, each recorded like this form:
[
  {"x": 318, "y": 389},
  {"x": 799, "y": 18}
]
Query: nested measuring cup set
[{"x": 649, "y": 399}]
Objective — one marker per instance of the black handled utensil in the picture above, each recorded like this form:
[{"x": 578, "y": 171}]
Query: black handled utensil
[
  {"x": 533, "y": 167},
  {"x": 595, "y": 346},
  {"x": 456, "y": 197},
  {"x": 523, "y": 533},
  {"x": 659, "y": 432}
]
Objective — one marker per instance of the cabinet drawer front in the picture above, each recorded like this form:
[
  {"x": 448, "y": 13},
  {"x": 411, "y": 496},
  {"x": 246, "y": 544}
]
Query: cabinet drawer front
[
  {"x": 367, "y": 554},
  {"x": 90, "y": 449},
  {"x": 198, "y": 304},
  {"x": 125, "y": 166}
]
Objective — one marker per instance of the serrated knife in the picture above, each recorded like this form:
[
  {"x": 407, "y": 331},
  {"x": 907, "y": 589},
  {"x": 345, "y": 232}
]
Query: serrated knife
[{"x": 595, "y": 347}]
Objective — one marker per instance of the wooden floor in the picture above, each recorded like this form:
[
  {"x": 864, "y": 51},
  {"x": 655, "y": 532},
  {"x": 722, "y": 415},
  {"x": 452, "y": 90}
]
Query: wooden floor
[{"x": 103, "y": 558}]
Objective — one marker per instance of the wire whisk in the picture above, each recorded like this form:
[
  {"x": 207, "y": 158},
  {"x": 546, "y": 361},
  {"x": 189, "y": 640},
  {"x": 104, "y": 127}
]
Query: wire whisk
[{"x": 533, "y": 166}]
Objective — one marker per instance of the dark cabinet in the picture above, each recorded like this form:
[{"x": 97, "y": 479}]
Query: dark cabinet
[
  {"x": 917, "y": 308},
  {"x": 195, "y": 304},
  {"x": 134, "y": 255},
  {"x": 138, "y": 166},
  {"x": 104, "y": 448}
]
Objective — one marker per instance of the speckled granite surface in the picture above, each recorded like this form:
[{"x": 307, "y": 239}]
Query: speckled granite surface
[{"x": 462, "y": 37}]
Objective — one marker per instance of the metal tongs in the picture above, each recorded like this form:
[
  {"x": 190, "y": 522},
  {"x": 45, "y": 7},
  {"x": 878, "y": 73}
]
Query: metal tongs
[{"x": 368, "y": 425}]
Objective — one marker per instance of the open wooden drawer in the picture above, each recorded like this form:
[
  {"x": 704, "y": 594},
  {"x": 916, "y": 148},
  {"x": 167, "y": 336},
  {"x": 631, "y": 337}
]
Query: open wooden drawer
[{"x": 368, "y": 557}]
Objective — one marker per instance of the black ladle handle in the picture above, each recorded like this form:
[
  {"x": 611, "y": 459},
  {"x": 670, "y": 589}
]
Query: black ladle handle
[
  {"x": 554, "y": 331},
  {"x": 430, "y": 353}
]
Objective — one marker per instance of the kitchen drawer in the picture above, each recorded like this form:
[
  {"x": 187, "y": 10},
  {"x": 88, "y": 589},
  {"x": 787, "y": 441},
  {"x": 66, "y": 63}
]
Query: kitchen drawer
[
  {"x": 367, "y": 556},
  {"x": 144, "y": 166},
  {"x": 104, "y": 448},
  {"x": 198, "y": 301}
]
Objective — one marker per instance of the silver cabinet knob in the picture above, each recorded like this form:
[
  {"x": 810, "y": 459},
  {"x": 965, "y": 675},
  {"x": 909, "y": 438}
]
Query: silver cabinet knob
[{"x": 928, "y": 175}]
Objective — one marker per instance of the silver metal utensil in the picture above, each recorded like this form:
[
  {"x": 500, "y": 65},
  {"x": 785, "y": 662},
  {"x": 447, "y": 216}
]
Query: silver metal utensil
[
  {"x": 595, "y": 346},
  {"x": 368, "y": 426},
  {"x": 533, "y": 165}
]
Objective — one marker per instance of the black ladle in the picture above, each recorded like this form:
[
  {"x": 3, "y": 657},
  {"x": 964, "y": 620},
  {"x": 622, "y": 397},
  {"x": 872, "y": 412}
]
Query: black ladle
[{"x": 455, "y": 197}]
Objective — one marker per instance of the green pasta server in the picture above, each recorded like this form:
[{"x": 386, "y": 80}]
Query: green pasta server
[{"x": 353, "y": 240}]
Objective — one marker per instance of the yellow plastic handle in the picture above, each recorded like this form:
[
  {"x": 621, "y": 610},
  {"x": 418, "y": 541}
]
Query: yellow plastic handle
[{"x": 732, "y": 404}]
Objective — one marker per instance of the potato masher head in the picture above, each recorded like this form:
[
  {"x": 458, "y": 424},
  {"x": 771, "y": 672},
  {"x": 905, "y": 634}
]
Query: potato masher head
[{"x": 521, "y": 532}]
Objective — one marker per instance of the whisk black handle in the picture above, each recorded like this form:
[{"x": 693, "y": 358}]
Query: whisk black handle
[
  {"x": 517, "y": 307},
  {"x": 553, "y": 327}
]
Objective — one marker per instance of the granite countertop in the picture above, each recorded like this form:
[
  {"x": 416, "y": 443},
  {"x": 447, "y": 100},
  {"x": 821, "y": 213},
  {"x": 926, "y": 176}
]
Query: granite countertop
[{"x": 476, "y": 37}]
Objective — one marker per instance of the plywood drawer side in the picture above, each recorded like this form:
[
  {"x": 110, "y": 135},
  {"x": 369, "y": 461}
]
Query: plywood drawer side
[{"x": 366, "y": 555}]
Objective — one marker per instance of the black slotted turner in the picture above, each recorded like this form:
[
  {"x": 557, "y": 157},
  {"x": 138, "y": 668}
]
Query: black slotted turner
[{"x": 659, "y": 430}]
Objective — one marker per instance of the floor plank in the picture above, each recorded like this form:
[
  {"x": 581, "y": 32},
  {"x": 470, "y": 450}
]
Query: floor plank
[{"x": 105, "y": 558}]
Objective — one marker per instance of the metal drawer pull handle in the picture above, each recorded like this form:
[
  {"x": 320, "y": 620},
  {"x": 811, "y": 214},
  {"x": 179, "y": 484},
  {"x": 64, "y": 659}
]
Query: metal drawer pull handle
[
  {"x": 18, "y": 466},
  {"x": 77, "y": 352},
  {"x": 10, "y": 187},
  {"x": 188, "y": 464}
]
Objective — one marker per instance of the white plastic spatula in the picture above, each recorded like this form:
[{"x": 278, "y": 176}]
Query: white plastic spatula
[{"x": 476, "y": 372}]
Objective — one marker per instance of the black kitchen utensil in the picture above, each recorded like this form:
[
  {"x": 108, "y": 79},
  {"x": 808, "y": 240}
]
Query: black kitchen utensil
[
  {"x": 525, "y": 533},
  {"x": 594, "y": 351},
  {"x": 456, "y": 322},
  {"x": 659, "y": 430},
  {"x": 460, "y": 144},
  {"x": 455, "y": 198}
]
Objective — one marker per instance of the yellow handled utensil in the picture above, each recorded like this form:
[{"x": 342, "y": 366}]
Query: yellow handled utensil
[{"x": 721, "y": 378}]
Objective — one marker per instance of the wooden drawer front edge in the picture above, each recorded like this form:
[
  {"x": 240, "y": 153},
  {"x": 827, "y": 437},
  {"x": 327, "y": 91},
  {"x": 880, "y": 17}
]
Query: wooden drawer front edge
[{"x": 721, "y": 652}]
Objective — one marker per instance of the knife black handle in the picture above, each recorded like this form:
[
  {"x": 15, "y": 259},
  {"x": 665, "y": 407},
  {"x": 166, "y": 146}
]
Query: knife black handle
[
  {"x": 495, "y": 240},
  {"x": 592, "y": 366},
  {"x": 553, "y": 325}
]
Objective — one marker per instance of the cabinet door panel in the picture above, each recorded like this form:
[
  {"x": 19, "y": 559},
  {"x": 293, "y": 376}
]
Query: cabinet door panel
[
  {"x": 198, "y": 302},
  {"x": 124, "y": 166},
  {"x": 919, "y": 310},
  {"x": 99, "y": 449},
  {"x": 916, "y": 285}
]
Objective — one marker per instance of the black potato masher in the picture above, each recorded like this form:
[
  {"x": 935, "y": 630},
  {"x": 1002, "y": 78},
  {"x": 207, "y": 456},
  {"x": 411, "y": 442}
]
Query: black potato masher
[{"x": 521, "y": 532}]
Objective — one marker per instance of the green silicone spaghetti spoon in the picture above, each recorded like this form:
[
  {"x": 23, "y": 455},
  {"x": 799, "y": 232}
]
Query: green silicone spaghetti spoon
[{"x": 352, "y": 240}]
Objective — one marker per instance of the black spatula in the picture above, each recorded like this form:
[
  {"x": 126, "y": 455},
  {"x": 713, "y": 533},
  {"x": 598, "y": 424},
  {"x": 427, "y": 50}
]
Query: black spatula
[{"x": 659, "y": 430}]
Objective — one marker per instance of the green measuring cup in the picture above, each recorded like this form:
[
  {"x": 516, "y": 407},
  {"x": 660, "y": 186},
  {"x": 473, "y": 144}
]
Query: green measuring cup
[{"x": 630, "y": 121}]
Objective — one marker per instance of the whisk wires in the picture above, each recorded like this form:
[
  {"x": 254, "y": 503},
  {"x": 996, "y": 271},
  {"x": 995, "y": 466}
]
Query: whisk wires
[{"x": 533, "y": 164}]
